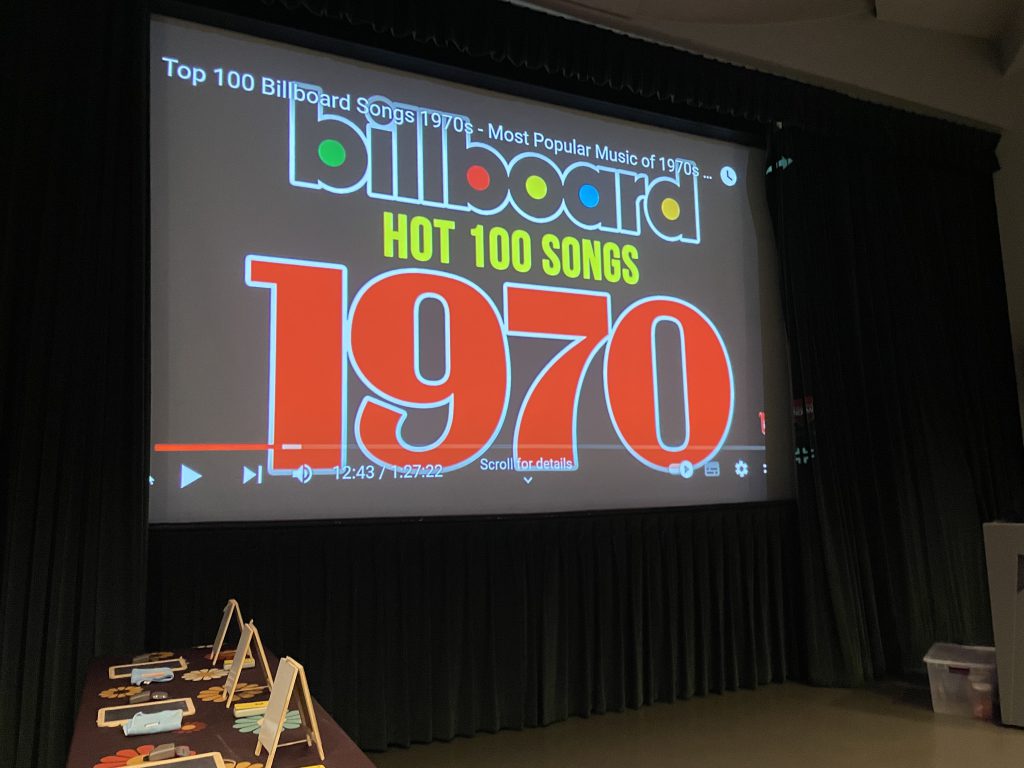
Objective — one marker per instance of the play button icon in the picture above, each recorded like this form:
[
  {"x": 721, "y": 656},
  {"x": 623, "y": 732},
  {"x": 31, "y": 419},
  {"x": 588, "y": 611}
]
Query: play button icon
[{"x": 188, "y": 476}]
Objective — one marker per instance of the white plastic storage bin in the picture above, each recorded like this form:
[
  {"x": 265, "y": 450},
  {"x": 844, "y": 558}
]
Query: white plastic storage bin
[{"x": 963, "y": 679}]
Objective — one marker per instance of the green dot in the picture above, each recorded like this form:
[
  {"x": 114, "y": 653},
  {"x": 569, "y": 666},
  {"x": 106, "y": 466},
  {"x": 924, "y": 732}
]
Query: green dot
[
  {"x": 331, "y": 152},
  {"x": 536, "y": 187}
]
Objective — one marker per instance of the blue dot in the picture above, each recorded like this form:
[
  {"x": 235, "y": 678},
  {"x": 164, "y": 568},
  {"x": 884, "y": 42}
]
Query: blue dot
[{"x": 589, "y": 195}]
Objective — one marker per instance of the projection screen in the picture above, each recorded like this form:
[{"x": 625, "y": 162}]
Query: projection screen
[{"x": 381, "y": 294}]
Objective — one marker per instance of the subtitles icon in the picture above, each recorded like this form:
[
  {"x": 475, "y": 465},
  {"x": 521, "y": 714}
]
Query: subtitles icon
[{"x": 712, "y": 469}]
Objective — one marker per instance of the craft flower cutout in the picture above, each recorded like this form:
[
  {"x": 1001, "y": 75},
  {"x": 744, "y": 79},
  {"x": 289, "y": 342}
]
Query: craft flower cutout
[
  {"x": 247, "y": 764},
  {"x": 220, "y": 692},
  {"x": 252, "y": 723},
  {"x": 120, "y": 692},
  {"x": 213, "y": 693},
  {"x": 248, "y": 724},
  {"x": 211, "y": 673},
  {"x": 248, "y": 690},
  {"x": 125, "y": 757},
  {"x": 191, "y": 727},
  {"x": 122, "y": 757}
]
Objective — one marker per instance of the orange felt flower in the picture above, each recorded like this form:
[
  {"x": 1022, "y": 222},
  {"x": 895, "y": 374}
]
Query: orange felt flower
[{"x": 123, "y": 757}]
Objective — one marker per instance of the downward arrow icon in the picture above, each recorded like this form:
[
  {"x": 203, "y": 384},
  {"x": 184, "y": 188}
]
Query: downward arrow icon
[{"x": 528, "y": 480}]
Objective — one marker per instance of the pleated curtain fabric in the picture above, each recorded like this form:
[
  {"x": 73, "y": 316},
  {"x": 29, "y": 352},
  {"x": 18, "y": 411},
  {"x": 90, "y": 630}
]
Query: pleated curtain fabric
[
  {"x": 907, "y": 429},
  {"x": 414, "y": 631},
  {"x": 73, "y": 360}
]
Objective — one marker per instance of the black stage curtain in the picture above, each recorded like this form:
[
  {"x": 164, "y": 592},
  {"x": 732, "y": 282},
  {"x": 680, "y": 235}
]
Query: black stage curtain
[
  {"x": 526, "y": 45},
  {"x": 413, "y": 631},
  {"x": 73, "y": 360},
  {"x": 909, "y": 435}
]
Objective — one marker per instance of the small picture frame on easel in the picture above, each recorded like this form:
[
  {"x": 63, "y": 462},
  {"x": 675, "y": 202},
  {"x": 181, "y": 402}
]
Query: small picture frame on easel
[
  {"x": 230, "y": 609},
  {"x": 289, "y": 672},
  {"x": 249, "y": 645}
]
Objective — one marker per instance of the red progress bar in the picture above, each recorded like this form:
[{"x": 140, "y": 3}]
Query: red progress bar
[{"x": 164, "y": 447}]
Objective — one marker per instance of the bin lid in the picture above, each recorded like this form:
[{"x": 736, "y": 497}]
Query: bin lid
[{"x": 961, "y": 655}]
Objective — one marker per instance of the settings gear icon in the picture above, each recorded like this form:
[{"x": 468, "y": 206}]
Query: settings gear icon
[{"x": 741, "y": 468}]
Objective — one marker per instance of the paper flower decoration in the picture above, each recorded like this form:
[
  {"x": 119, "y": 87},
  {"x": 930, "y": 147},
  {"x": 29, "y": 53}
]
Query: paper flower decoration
[
  {"x": 220, "y": 692},
  {"x": 191, "y": 726},
  {"x": 120, "y": 692},
  {"x": 199, "y": 675},
  {"x": 124, "y": 757},
  {"x": 248, "y": 690},
  {"x": 252, "y": 723},
  {"x": 213, "y": 693},
  {"x": 248, "y": 724}
]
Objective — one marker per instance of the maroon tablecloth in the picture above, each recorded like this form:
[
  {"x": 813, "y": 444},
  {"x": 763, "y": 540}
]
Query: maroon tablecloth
[{"x": 210, "y": 729}]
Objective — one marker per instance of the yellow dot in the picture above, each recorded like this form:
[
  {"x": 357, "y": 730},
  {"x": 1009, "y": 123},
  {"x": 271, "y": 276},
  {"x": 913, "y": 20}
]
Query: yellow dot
[
  {"x": 536, "y": 187},
  {"x": 670, "y": 209}
]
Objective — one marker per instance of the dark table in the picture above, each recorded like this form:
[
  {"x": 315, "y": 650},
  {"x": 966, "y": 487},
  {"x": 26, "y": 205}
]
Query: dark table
[{"x": 210, "y": 729}]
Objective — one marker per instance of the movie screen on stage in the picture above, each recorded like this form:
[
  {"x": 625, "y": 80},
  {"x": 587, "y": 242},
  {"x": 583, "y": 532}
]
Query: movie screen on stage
[{"x": 381, "y": 294}]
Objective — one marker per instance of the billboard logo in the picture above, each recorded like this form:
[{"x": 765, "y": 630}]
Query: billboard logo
[{"x": 393, "y": 152}]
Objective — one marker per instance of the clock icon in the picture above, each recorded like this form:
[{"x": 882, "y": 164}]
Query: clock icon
[{"x": 729, "y": 177}]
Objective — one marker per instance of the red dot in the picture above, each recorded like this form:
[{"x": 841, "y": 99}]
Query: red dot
[{"x": 478, "y": 177}]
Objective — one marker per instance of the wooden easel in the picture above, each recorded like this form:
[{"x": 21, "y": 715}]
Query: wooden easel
[
  {"x": 231, "y": 609},
  {"x": 250, "y": 636},
  {"x": 281, "y": 696}
]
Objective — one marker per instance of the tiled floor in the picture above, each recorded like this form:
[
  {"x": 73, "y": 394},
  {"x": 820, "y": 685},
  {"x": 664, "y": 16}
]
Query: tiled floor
[{"x": 774, "y": 726}]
